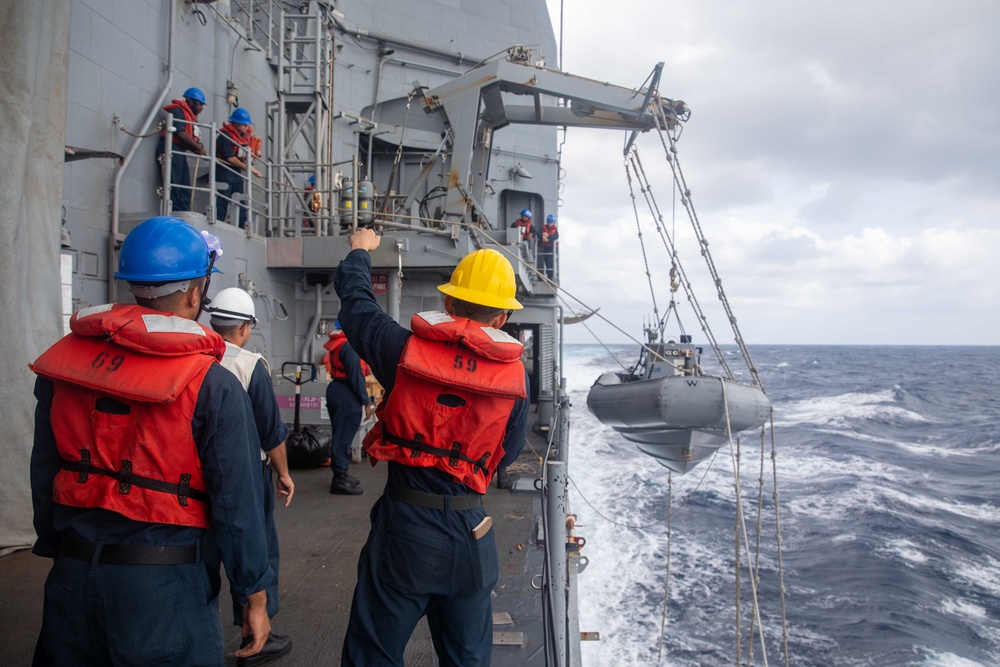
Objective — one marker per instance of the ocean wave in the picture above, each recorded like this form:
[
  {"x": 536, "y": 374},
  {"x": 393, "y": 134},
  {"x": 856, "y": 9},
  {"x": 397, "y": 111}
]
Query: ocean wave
[
  {"x": 840, "y": 409},
  {"x": 944, "y": 451},
  {"x": 886, "y": 517},
  {"x": 939, "y": 507},
  {"x": 904, "y": 550},
  {"x": 931, "y": 658},
  {"x": 984, "y": 574}
]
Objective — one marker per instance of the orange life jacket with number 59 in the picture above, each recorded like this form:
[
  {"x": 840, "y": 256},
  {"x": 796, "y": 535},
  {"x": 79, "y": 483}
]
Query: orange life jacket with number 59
[
  {"x": 126, "y": 383},
  {"x": 454, "y": 391}
]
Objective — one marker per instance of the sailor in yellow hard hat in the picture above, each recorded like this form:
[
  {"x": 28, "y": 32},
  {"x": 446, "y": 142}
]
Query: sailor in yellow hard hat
[{"x": 455, "y": 409}]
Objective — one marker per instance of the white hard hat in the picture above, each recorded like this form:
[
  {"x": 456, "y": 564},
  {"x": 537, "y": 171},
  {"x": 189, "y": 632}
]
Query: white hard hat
[{"x": 232, "y": 304}]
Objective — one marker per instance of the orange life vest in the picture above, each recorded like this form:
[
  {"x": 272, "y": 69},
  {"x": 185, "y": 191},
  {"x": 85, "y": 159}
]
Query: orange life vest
[
  {"x": 126, "y": 383},
  {"x": 192, "y": 130},
  {"x": 454, "y": 391},
  {"x": 256, "y": 143},
  {"x": 334, "y": 365},
  {"x": 238, "y": 138},
  {"x": 525, "y": 226},
  {"x": 552, "y": 231}
]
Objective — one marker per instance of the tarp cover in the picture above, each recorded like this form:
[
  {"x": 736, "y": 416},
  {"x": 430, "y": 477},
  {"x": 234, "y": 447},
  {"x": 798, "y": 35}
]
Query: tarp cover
[{"x": 33, "y": 84}]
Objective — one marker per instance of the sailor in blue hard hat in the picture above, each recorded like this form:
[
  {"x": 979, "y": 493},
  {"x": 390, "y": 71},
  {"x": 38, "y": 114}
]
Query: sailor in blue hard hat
[
  {"x": 143, "y": 444},
  {"x": 165, "y": 255},
  {"x": 523, "y": 223},
  {"x": 232, "y": 151},
  {"x": 547, "y": 244},
  {"x": 186, "y": 138}
]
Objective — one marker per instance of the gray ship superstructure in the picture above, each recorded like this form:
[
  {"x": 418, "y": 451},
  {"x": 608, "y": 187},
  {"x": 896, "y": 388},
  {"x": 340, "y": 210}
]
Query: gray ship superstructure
[{"x": 434, "y": 121}]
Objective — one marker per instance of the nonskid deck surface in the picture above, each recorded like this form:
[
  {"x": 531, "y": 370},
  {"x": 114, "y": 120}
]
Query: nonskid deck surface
[{"x": 321, "y": 536}]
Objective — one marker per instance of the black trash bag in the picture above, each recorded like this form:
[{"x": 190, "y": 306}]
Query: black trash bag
[{"x": 309, "y": 447}]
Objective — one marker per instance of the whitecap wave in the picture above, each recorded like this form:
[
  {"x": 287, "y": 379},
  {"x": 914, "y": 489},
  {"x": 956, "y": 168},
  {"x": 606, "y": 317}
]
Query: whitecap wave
[{"x": 841, "y": 409}]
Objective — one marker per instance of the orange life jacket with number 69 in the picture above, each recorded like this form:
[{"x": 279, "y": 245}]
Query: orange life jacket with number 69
[
  {"x": 126, "y": 381},
  {"x": 454, "y": 391}
]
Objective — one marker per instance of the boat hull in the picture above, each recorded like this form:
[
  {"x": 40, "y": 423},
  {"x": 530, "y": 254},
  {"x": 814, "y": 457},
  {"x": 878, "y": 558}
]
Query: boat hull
[{"x": 678, "y": 420}]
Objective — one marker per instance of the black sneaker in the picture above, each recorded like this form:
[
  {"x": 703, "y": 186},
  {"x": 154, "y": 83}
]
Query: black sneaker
[
  {"x": 341, "y": 485},
  {"x": 275, "y": 647}
]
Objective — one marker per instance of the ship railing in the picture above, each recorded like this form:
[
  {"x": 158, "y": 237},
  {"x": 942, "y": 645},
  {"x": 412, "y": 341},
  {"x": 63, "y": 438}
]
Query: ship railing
[
  {"x": 260, "y": 20},
  {"x": 207, "y": 194}
]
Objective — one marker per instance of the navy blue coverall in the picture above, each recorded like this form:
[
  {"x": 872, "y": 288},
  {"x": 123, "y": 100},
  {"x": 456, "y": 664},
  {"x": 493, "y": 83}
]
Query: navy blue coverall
[
  {"x": 180, "y": 171},
  {"x": 228, "y": 174},
  {"x": 272, "y": 432},
  {"x": 345, "y": 401},
  {"x": 102, "y": 614},
  {"x": 417, "y": 561}
]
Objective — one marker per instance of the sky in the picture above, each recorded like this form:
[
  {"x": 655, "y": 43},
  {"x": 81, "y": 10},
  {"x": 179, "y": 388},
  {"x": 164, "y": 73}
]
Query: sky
[{"x": 843, "y": 159}]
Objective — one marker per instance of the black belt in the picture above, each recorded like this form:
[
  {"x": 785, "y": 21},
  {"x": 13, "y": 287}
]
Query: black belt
[
  {"x": 434, "y": 501},
  {"x": 129, "y": 554}
]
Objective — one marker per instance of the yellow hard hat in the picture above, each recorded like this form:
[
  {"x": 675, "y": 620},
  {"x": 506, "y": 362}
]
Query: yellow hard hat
[{"x": 486, "y": 278}]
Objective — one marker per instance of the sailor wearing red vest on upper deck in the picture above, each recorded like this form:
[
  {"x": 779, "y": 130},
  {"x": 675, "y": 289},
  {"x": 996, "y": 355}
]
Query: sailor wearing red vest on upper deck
[
  {"x": 186, "y": 137},
  {"x": 232, "y": 149},
  {"x": 454, "y": 411},
  {"x": 547, "y": 245},
  {"x": 141, "y": 444},
  {"x": 523, "y": 223}
]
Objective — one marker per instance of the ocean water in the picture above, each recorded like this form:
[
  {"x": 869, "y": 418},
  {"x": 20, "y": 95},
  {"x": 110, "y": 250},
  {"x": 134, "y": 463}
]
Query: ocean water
[{"x": 889, "y": 504}]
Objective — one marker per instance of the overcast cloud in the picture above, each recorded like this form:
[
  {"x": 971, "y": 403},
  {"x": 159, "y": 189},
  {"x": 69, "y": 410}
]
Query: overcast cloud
[{"x": 843, "y": 159}]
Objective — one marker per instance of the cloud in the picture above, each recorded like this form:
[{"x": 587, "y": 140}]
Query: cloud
[{"x": 842, "y": 159}]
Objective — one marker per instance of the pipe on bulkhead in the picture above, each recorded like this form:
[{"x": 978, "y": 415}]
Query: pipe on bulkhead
[
  {"x": 383, "y": 53},
  {"x": 457, "y": 56},
  {"x": 310, "y": 340},
  {"x": 116, "y": 188}
]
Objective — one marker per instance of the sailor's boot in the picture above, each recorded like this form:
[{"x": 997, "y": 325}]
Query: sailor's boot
[
  {"x": 342, "y": 485},
  {"x": 505, "y": 480}
]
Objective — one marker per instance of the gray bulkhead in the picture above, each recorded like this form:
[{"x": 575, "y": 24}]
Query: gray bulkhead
[{"x": 308, "y": 97}]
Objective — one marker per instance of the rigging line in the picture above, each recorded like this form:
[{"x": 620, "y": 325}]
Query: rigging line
[
  {"x": 642, "y": 244},
  {"x": 666, "y": 573},
  {"x": 685, "y": 282},
  {"x": 399, "y": 150},
  {"x": 777, "y": 536},
  {"x": 131, "y": 133},
  {"x": 738, "y": 579},
  {"x": 741, "y": 518},
  {"x": 760, "y": 531},
  {"x": 555, "y": 286},
  {"x": 673, "y": 160},
  {"x": 673, "y": 513},
  {"x": 596, "y": 337}
]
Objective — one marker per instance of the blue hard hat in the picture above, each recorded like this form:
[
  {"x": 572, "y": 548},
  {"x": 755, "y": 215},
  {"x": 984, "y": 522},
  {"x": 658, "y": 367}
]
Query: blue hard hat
[
  {"x": 550, "y": 218},
  {"x": 526, "y": 212},
  {"x": 163, "y": 249},
  {"x": 240, "y": 116},
  {"x": 195, "y": 94},
  {"x": 312, "y": 180}
]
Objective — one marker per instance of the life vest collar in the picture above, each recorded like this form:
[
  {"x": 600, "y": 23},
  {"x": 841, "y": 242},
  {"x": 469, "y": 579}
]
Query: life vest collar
[
  {"x": 145, "y": 330},
  {"x": 487, "y": 341}
]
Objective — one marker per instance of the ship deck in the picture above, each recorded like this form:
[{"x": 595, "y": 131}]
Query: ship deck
[{"x": 321, "y": 536}]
